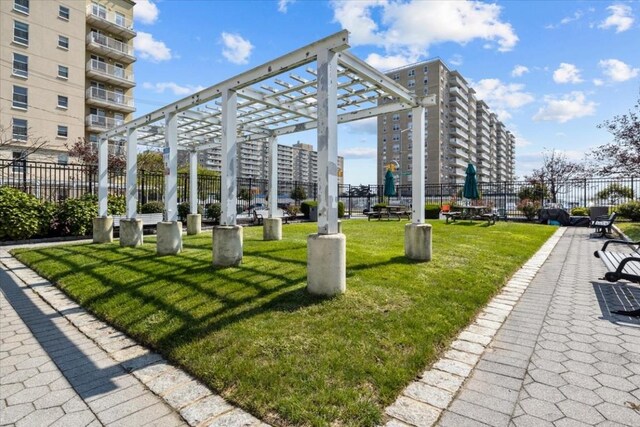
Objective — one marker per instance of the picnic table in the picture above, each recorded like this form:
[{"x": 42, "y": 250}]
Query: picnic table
[
  {"x": 388, "y": 212},
  {"x": 474, "y": 212}
]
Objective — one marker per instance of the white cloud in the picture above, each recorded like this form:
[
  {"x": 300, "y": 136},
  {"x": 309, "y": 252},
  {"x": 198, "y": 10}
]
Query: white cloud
[
  {"x": 390, "y": 62},
  {"x": 409, "y": 28},
  {"x": 571, "y": 106},
  {"x": 283, "y": 5},
  {"x": 177, "y": 89},
  {"x": 519, "y": 71},
  {"x": 145, "y": 11},
  {"x": 567, "y": 73},
  {"x": 502, "y": 97},
  {"x": 566, "y": 20},
  {"x": 617, "y": 70},
  {"x": 456, "y": 60},
  {"x": 621, "y": 18},
  {"x": 236, "y": 49},
  {"x": 149, "y": 48},
  {"x": 359, "y": 153},
  {"x": 598, "y": 82}
]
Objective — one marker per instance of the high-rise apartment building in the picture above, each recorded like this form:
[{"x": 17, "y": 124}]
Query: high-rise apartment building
[
  {"x": 459, "y": 129},
  {"x": 295, "y": 163},
  {"x": 66, "y": 72}
]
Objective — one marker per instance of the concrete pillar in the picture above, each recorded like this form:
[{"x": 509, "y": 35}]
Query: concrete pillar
[
  {"x": 227, "y": 245},
  {"x": 273, "y": 180},
  {"x": 417, "y": 242},
  {"x": 103, "y": 176},
  {"x": 417, "y": 165},
  {"x": 103, "y": 229},
  {"x": 132, "y": 176},
  {"x": 131, "y": 232},
  {"x": 228, "y": 176},
  {"x": 193, "y": 183},
  {"x": 169, "y": 238},
  {"x": 326, "y": 264},
  {"x": 194, "y": 224},
  {"x": 272, "y": 229},
  {"x": 171, "y": 180}
]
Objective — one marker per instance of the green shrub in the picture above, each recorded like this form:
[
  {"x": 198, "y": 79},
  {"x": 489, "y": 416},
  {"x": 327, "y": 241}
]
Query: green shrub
[
  {"x": 306, "y": 205},
  {"x": 152, "y": 207},
  {"x": 580, "y": 211},
  {"x": 529, "y": 208},
  {"x": 47, "y": 218},
  {"x": 116, "y": 205},
  {"x": 75, "y": 217},
  {"x": 340, "y": 209},
  {"x": 630, "y": 210},
  {"x": 184, "y": 209},
  {"x": 214, "y": 210},
  {"x": 431, "y": 211},
  {"x": 379, "y": 206},
  {"x": 19, "y": 214}
]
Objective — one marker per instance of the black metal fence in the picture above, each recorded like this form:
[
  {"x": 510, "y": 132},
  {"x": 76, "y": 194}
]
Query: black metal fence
[{"x": 55, "y": 183}]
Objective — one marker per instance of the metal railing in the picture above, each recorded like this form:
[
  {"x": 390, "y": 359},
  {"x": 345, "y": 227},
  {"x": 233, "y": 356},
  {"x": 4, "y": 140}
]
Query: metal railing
[
  {"x": 110, "y": 43},
  {"x": 111, "y": 17},
  {"x": 109, "y": 70},
  {"x": 102, "y": 122},
  {"x": 110, "y": 97}
]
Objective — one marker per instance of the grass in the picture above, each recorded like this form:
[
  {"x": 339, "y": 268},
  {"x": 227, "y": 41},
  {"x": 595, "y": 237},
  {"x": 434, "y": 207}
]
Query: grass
[
  {"x": 631, "y": 229},
  {"x": 254, "y": 335}
]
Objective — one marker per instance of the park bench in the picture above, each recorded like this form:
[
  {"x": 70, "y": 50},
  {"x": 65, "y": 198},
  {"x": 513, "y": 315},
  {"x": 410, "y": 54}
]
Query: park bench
[
  {"x": 257, "y": 218},
  {"x": 603, "y": 224},
  {"x": 622, "y": 264},
  {"x": 148, "y": 220},
  {"x": 489, "y": 217},
  {"x": 451, "y": 216}
]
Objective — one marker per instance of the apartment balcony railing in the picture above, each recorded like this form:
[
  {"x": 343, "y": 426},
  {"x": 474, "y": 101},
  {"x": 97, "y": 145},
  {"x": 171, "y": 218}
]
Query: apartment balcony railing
[
  {"x": 110, "y": 47},
  {"x": 111, "y": 21},
  {"x": 99, "y": 123},
  {"x": 459, "y": 102},
  {"x": 458, "y": 142},
  {"x": 112, "y": 100},
  {"x": 456, "y": 121},
  {"x": 106, "y": 72}
]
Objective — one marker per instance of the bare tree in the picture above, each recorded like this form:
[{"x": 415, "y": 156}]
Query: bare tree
[
  {"x": 622, "y": 156},
  {"x": 26, "y": 143},
  {"x": 86, "y": 152},
  {"x": 555, "y": 172}
]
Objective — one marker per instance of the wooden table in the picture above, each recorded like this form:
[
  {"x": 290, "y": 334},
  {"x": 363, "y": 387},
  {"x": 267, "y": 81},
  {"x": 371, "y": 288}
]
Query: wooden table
[{"x": 390, "y": 211}]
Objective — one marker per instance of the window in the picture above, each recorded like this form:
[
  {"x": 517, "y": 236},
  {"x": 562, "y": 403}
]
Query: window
[
  {"x": 63, "y": 12},
  {"x": 411, "y": 83},
  {"x": 118, "y": 119},
  {"x": 118, "y": 70},
  {"x": 63, "y": 159},
  {"x": 396, "y": 137},
  {"x": 21, "y": 6},
  {"x": 19, "y": 161},
  {"x": 426, "y": 69},
  {"x": 63, "y": 72},
  {"x": 120, "y": 20},
  {"x": 396, "y": 126},
  {"x": 21, "y": 32},
  {"x": 63, "y": 42},
  {"x": 63, "y": 102},
  {"x": 19, "y": 129},
  {"x": 99, "y": 10},
  {"x": 396, "y": 76},
  {"x": 396, "y": 117},
  {"x": 20, "y": 65},
  {"x": 20, "y": 97},
  {"x": 63, "y": 131},
  {"x": 411, "y": 73}
]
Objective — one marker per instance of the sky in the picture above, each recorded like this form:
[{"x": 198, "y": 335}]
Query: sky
[{"x": 551, "y": 70}]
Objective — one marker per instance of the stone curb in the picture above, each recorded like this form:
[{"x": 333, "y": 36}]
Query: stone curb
[
  {"x": 424, "y": 400},
  {"x": 195, "y": 403}
]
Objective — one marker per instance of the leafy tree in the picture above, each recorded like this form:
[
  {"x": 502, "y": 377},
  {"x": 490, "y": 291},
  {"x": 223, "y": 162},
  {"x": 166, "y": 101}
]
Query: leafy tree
[
  {"x": 87, "y": 153},
  {"x": 150, "y": 161},
  {"x": 360, "y": 191},
  {"x": 556, "y": 171},
  {"x": 298, "y": 193},
  {"x": 622, "y": 156},
  {"x": 615, "y": 191},
  {"x": 244, "y": 194},
  {"x": 536, "y": 190}
]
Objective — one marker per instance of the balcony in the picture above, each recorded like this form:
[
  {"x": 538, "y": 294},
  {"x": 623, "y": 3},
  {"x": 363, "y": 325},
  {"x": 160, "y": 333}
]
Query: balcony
[
  {"x": 110, "y": 21},
  {"x": 458, "y": 152},
  {"x": 108, "y": 99},
  {"x": 110, "y": 47},
  {"x": 108, "y": 73},
  {"x": 459, "y": 102},
  {"x": 455, "y": 121},
  {"x": 460, "y": 143},
  {"x": 96, "y": 123}
]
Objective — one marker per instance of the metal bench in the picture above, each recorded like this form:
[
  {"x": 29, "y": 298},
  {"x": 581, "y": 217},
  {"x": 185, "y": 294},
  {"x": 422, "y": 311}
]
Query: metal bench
[
  {"x": 148, "y": 220},
  {"x": 451, "y": 216},
  {"x": 624, "y": 264},
  {"x": 603, "y": 224},
  {"x": 489, "y": 217}
]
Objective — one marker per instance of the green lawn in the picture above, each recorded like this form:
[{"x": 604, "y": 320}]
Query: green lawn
[
  {"x": 253, "y": 334},
  {"x": 631, "y": 229}
]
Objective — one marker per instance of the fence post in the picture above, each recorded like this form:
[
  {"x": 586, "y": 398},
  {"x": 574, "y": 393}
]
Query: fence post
[{"x": 585, "y": 193}]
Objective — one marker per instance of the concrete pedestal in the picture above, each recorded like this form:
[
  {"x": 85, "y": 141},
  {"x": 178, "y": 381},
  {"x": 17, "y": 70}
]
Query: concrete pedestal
[
  {"x": 103, "y": 229},
  {"x": 169, "y": 238},
  {"x": 194, "y": 224},
  {"x": 227, "y": 245},
  {"x": 272, "y": 229},
  {"x": 339, "y": 226},
  {"x": 326, "y": 264},
  {"x": 417, "y": 242},
  {"x": 130, "y": 232}
]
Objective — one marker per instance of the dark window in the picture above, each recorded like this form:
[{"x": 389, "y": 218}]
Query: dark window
[
  {"x": 63, "y": 12},
  {"x": 63, "y": 71},
  {"x": 63, "y": 42},
  {"x": 19, "y": 161},
  {"x": 21, "y": 6},
  {"x": 20, "y": 97},
  {"x": 20, "y": 32},
  {"x": 63, "y": 101},
  {"x": 20, "y": 65},
  {"x": 63, "y": 131},
  {"x": 19, "y": 129}
]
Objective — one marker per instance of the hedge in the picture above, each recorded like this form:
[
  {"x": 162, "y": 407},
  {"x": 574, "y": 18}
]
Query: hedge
[{"x": 19, "y": 214}]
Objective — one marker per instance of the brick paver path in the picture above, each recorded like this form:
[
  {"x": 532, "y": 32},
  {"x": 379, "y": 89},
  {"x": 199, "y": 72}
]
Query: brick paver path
[{"x": 561, "y": 358}]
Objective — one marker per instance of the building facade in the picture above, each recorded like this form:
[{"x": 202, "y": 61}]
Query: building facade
[
  {"x": 295, "y": 163},
  {"x": 459, "y": 129},
  {"x": 66, "y": 73}
]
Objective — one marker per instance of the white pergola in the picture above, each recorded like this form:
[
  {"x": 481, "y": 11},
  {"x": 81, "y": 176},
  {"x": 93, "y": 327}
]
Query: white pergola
[{"x": 315, "y": 87}]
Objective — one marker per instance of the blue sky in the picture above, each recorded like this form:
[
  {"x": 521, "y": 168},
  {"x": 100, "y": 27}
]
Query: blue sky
[{"x": 552, "y": 70}]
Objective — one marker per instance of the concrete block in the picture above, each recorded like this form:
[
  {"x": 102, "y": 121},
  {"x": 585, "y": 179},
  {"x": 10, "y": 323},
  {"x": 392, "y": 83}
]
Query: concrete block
[
  {"x": 417, "y": 242},
  {"x": 103, "y": 229},
  {"x": 194, "y": 224},
  {"x": 169, "y": 238},
  {"x": 326, "y": 264},
  {"x": 131, "y": 232},
  {"x": 227, "y": 245},
  {"x": 272, "y": 229}
]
